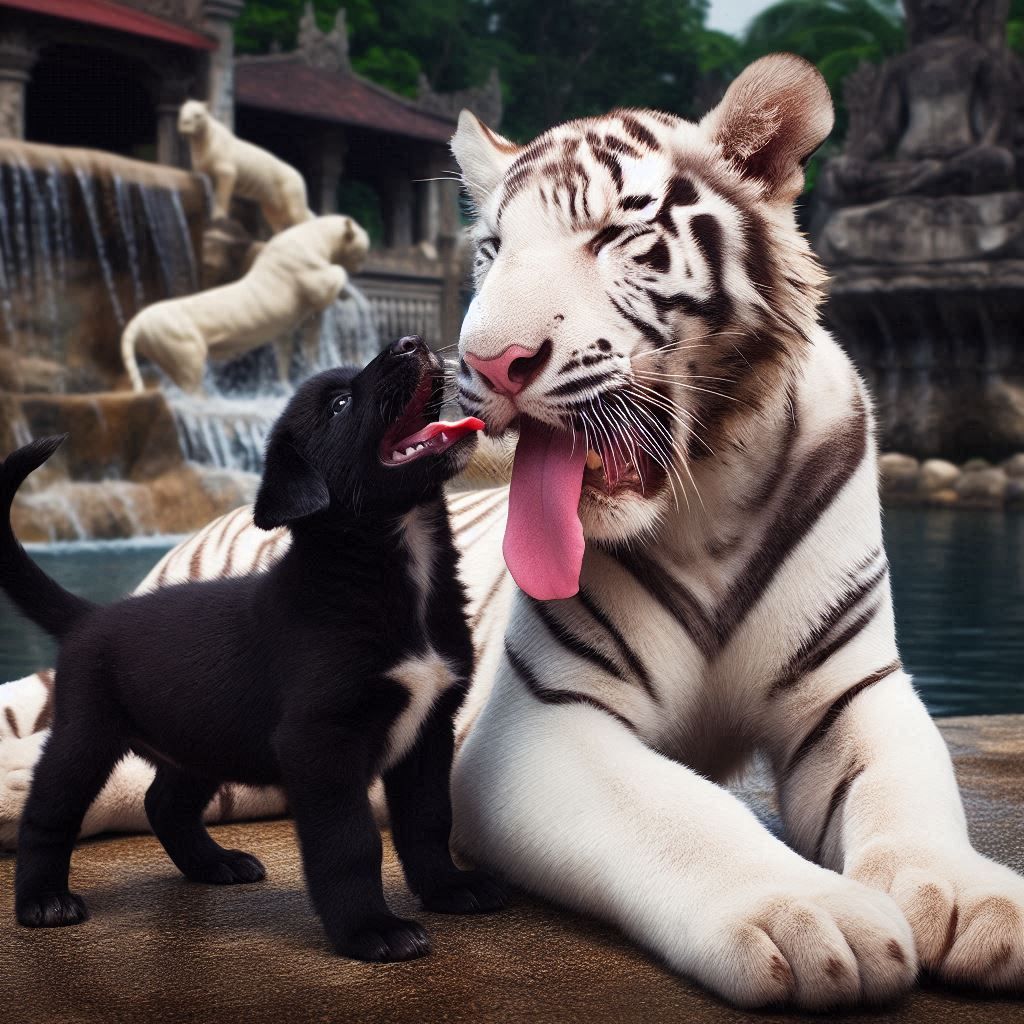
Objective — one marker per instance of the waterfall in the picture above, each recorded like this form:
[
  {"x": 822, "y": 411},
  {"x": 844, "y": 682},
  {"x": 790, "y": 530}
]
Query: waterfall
[{"x": 227, "y": 427}]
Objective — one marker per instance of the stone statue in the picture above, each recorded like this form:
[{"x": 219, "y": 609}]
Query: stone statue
[
  {"x": 238, "y": 166},
  {"x": 327, "y": 51},
  {"x": 297, "y": 274},
  {"x": 936, "y": 120},
  {"x": 920, "y": 222}
]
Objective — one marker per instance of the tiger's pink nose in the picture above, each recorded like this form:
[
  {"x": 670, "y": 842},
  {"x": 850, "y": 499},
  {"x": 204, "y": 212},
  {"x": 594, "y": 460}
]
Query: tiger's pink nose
[{"x": 514, "y": 369}]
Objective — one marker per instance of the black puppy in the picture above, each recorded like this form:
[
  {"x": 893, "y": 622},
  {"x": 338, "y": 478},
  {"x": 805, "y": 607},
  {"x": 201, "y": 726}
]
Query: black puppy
[{"x": 346, "y": 660}]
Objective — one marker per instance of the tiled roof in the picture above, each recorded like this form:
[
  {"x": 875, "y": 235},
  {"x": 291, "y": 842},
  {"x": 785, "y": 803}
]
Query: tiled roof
[
  {"x": 114, "y": 16},
  {"x": 290, "y": 85}
]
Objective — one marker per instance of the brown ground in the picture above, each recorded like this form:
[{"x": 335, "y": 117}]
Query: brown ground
[{"x": 159, "y": 949}]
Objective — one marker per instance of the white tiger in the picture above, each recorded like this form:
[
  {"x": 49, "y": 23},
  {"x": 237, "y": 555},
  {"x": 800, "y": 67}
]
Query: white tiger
[{"x": 696, "y": 457}]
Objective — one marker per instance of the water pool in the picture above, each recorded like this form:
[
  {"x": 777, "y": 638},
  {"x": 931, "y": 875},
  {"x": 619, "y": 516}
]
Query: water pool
[{"x": 958, "y": 579}]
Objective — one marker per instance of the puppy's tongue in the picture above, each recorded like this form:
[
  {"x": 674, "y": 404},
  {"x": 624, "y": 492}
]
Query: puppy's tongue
[{"x": 544, "y": 537}]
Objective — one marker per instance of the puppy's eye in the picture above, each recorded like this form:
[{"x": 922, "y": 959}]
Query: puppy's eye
[{"x": 339, "y": 403}]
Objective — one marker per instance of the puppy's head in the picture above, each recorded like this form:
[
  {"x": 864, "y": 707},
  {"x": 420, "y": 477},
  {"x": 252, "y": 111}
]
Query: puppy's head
[{"x": 363, "y": 443}]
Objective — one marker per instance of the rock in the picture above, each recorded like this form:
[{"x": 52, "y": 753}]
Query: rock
[
  {"x": 938, "y": 475},
  {"x": 944, "y": 498},
  {"x": 1015, "y": 493},
  {"x": 113, "y": 435},
  {"x": 983, "y": 486},
  {"x": 10, "y": 371},
  {"x": 1014, "y": 466},
  {"x": 898, "y": 473},
  {"x": 180, "y": 501},
  {"x": 973, "y": 465},
  {"x": 43, "y": 375}
]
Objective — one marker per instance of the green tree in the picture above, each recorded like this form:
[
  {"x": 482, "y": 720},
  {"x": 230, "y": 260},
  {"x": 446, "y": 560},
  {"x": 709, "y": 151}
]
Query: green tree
[{"x": 1015, "y": 29}]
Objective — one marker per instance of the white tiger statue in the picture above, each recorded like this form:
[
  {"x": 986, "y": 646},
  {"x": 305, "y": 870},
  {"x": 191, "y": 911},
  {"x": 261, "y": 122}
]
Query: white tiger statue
[
  {"x": 297, "y": 275},
  {"x": 694, "y": 526},
  {"x": 237, "y": 166}
]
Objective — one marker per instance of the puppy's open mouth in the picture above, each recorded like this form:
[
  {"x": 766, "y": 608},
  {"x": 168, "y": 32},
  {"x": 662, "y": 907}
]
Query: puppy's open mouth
[{"x": 418, "y": 432}]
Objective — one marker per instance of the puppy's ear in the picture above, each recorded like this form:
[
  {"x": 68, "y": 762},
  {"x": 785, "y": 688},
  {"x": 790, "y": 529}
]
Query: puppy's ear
[{"x": 291, "y": 488}]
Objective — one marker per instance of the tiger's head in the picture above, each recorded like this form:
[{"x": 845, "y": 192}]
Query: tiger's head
[{"x": 640, "y": 283}]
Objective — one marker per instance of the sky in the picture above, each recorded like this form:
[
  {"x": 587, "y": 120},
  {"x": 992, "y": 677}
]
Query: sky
[{"x": 732, "y": 15}]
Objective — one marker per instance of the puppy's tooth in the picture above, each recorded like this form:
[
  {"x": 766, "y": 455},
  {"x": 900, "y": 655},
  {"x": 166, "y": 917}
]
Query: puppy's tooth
[
  {"x": 594, "y": 461},
  {"x": 409, "y": 451},
  {"x": 396, "y": 455}
]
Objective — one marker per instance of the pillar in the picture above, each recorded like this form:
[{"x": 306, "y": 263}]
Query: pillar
[
  {"x": 330, "y": 166},
  {"x": 170, "y": 147},
  {"x": 219, "y": 18},
  {"x": 17, "y": 56}
]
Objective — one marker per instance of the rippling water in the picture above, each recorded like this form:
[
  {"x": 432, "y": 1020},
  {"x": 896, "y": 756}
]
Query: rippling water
[{"x": 958, "y": 578}]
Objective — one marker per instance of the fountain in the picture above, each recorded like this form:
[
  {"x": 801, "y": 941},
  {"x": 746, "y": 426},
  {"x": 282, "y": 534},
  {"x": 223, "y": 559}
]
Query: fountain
[
  {"x": 88, "y": 239},
  {"x": 923, "y": 232}
]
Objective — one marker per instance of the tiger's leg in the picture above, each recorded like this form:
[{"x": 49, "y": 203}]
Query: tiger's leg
[
  {"x": 867, "y": 787},
  {"x": 567, "y": 801}
]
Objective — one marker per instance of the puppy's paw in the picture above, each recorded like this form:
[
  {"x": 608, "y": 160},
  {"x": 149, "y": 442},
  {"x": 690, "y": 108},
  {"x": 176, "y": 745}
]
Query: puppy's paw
[
  {"x": 229, "y": 867},
  {"x": 465, "y": 892},
  {"x": 384, "y": 938},
  {"x": 50, "y": 910}
]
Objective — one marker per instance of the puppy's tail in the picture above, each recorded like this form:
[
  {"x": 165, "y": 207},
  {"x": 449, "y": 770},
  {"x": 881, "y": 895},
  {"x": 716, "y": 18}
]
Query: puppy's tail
[
  {"x": 39, "y": 598},
  {"x": 128, "y": 339}
]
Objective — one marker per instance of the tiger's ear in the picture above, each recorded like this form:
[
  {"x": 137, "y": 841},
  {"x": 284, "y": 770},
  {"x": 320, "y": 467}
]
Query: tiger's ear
[
  {"x": 482, "y": 155},
  {"x": 291, "y": 488},
  {"x": 772, "y": 119}
]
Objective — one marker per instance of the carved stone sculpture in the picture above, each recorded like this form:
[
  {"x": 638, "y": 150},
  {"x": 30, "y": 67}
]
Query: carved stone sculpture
[
  {"x": 297, "y": 274},
  {"x": 921, "y": 223},
  {"x": 238, "y": 166},
  {"x": 934, "y": 121}
]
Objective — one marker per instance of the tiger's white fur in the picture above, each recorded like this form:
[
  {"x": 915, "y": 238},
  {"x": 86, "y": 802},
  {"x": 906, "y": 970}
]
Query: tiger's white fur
[{"x": 755, "y": 615}]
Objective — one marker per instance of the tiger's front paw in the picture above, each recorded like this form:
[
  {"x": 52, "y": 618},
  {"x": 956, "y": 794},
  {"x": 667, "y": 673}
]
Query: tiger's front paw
[
  {"x": 814, "y": 942},
  {"x": 966, "y": 911}
]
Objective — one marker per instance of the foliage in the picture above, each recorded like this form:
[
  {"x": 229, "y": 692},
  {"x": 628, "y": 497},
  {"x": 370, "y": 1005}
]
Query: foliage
[
  {"x": 557, "y": 58},
  {"x": 1015, "y": 30}
]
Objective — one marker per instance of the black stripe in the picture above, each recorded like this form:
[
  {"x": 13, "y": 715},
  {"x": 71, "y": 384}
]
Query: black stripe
[
  {"x": 818, "y": 482},
  {"x": 651, "y": 333},
  {"x": 573, "y": 387},
  {"x": 604, "y": 157},
  {"x": 673, "y": 596},
  {"x": 838, "y": 706},
  {"x": 853, "y": 629},
  {"x": 628, "y": 655},
  {"x": 816, "y": 649},
  {"x": 571, "y": 642},
  {"x": 838, "y": 797},
  {"x": 635, "y": 129},
  {"x": 658, "y": 257},
  {"x": 546, "y": 696},
  {"x": 605, "y": 236},
  {"x": 635, "y": 202}
]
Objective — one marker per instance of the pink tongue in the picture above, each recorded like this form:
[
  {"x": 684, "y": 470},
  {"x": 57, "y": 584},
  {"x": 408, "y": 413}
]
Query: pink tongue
[
  {"x": 544, "y": 537},
  {"x": 454, "y": 429}
]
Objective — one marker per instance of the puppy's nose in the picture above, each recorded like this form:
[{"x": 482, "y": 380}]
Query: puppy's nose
[
  {"x": 408, "y": 345},
  {"x": 514, "y": 369}
]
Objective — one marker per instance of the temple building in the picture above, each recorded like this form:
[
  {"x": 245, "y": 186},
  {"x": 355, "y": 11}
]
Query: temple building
[{"x": 111, "y": 75}]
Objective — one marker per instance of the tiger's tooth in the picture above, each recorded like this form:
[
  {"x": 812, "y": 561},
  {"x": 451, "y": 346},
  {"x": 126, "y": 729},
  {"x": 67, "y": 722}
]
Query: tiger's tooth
[{"x": 594, "y": 461}]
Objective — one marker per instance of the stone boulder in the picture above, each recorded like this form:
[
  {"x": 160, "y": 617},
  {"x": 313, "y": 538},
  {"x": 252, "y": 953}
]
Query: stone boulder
[
  {"x": 1014, "y": 466},
  {"x": 983, "y": 486},
  {"x": 898, "y": 474},
  {"x": 938, "y": 475}
]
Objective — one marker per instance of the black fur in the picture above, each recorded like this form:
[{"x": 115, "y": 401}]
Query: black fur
[{"x": 276, "y": 678}]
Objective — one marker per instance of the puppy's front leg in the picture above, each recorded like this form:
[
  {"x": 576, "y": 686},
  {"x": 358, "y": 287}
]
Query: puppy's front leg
[
  {"x": 327, "y": 773},
  {"x": 419, "y": 799}
]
